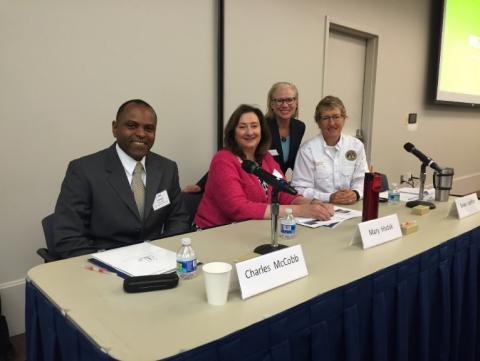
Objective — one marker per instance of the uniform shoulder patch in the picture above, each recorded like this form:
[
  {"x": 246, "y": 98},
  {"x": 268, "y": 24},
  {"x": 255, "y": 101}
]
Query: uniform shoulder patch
[{"x": 351, "y": 155}]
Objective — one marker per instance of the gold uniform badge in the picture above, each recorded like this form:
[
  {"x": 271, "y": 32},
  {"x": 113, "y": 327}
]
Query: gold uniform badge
[{"x": 351, "y": 155}]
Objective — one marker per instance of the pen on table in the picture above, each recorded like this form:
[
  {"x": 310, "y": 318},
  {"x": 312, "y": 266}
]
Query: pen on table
[{"x": 91, "y": 267}]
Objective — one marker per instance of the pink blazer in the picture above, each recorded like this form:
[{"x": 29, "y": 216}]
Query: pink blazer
[{"x": 232, "y": 194}]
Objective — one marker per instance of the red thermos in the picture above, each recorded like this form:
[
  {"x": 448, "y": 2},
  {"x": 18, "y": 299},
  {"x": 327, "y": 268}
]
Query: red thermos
[{"x": 371, "y": 187}]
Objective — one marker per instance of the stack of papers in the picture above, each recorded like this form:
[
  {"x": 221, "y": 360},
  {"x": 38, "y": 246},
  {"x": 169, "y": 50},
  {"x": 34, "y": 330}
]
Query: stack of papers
[
  {"x": 140, "y": 259},
  {"x": 341, "y": 214},
  {"x": 411, "y": 194}
]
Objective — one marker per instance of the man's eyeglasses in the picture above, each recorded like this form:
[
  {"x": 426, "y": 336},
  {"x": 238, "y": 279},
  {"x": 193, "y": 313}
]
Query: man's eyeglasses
[
  {"x": 335, "y": 117},
  {"x": 280, "y": 101}
]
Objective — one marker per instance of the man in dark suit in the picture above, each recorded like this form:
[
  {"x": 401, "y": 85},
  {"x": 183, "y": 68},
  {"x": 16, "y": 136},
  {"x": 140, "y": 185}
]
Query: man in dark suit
[{"x": 121, "y": 195}]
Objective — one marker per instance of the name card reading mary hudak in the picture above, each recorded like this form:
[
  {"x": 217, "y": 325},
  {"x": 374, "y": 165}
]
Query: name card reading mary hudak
[
  {"x": 271, "y": 270},
  {"x": 380, "y": 230}
]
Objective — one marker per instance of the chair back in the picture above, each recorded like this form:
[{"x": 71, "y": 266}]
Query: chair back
[
  {"x": 47, "y": 225},
  {"x": 191, "y": 202},
  {"x": 48, "y": 253},
  {"x": 383, "y": 182}
]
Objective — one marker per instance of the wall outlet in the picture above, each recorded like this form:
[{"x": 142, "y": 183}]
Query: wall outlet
[
  {"x": 412, "y": 123},
  {"x": 406, "y": 177},
  {"x": 412, "y": 118}
]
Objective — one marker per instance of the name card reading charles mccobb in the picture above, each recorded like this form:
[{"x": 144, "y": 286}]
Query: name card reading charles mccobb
[
  {"x": 271, "y": 270},
  {"x": 380, "y": 230}
]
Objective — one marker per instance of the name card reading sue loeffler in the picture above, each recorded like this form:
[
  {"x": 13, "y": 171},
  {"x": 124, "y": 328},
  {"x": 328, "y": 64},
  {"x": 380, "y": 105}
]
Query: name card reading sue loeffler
[
  {"x": 380, "y": 230},
  {"x": 271, "y": 270},
  {"x": 465, "y": 206}
]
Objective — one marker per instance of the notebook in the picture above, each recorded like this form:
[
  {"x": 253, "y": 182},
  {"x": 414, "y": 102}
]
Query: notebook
[{"x": 137, "y": 260}]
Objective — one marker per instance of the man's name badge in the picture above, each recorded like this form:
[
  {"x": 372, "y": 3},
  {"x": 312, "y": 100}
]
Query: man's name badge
[{"x": 161, "y": 200}]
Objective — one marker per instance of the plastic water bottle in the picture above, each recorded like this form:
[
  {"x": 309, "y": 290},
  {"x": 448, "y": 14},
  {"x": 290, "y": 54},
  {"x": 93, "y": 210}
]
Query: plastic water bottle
[
  {"x": 288, "y": 226},
  {"x": 394, "y": 195},
  {"x": 186, "y": 260}
]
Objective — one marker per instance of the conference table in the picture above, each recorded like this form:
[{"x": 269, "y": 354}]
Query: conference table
[{"x": 413, "y": 298}]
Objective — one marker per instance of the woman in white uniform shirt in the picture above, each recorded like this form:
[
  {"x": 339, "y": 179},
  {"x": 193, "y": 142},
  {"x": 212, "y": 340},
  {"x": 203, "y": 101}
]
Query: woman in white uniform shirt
[{"x": 331, "y": 166}]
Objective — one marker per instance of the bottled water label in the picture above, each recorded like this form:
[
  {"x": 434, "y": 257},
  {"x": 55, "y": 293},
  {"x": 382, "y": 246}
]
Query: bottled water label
[
  {"x": 186, "y": 266},
  {"x": 394, "y": 197},
  {"x": 288, "y": 227},
  {"x": 288, "y": 230}
]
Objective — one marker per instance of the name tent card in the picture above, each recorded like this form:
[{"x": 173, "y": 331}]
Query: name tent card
[
  {"x": 465, "y": 206},
  {"x": 270, "y": 270},
  {"x": 380, "y": 230}
]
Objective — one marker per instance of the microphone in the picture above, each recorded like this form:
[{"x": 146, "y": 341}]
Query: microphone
[
  {"x": 250, "y": 167},
  {"x": 409, "y": 147}
]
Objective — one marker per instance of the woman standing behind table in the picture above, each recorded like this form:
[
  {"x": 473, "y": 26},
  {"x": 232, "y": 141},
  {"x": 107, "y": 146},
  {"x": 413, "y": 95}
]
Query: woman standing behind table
[
  {"x": 287, "y": 131},
  {"x": 232, "y": 194}
]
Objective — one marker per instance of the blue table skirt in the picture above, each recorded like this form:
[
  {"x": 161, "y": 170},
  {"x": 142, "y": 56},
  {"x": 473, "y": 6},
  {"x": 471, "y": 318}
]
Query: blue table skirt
[{"x": 424, "y": 308}]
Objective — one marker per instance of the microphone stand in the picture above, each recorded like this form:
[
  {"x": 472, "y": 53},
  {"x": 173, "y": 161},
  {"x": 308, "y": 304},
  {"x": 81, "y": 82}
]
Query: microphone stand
[
  {"x": 420, "y": 201},
  {"x": 274, "y": 210}
]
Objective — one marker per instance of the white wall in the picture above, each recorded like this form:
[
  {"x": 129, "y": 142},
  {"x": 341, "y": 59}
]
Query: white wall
[
  {"x": 67, "y": 65},
  {"x": 273, "y": 40},
  {"x": 65, "y": 68}
]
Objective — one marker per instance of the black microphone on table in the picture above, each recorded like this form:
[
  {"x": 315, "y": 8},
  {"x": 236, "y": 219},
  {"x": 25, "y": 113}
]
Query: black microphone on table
[
  {"x": 250, "y": 167},
  {"x": 409, "y": 147}
]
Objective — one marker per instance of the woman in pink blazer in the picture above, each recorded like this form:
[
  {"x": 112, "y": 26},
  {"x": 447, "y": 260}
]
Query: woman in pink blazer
[{"x": 232, "y": 194}]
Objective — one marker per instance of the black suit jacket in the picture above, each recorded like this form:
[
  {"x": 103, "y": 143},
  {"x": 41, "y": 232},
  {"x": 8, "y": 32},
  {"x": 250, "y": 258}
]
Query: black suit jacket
[
  {"x": 96, "y": 208},
  {"x": 297, "y": 130}
]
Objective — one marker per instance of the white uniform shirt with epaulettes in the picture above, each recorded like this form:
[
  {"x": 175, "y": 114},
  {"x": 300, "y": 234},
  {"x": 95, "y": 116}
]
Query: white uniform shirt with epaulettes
[{"x": 321, "y": 170}]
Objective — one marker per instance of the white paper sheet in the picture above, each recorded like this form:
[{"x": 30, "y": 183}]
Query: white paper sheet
[
  {"x": 411, "y": 194},
  {"x": 341, "y": 214},
  {"x": 139, "y": 259}
]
